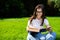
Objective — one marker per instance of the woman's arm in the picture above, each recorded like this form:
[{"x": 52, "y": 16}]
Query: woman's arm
[
  {"x": 33, "y": 29},
  {"x": 48, "y": 27}
]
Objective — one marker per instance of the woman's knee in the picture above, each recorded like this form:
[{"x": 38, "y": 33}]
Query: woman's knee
[
  {"x": 51, "y": 36},
  {"x": 54, "y": 34},
  {"x": 29, "y": 37}
]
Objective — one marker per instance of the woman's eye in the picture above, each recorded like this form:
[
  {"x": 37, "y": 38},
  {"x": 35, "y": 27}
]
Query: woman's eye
[{"x": 39, "y": 11}]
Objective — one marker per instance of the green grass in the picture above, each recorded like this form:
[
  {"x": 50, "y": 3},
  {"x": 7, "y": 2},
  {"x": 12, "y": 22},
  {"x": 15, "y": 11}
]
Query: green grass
[{"x": 15, "y": 28}]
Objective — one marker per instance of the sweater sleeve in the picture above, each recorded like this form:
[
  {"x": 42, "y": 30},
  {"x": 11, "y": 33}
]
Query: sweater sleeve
[
  {"x": 29, "y": 24},
  {"x": 46, "y": 22}
]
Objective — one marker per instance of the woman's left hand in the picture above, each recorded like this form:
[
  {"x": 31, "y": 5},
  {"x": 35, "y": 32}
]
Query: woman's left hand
[{"x": 49, "y": 29}]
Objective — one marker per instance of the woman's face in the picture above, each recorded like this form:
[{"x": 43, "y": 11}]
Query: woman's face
[{"x": 39, "y": 13}]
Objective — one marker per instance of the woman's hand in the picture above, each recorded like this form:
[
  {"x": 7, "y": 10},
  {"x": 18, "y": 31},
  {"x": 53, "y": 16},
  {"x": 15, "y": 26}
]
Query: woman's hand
[{"x": 49, "y": 29}]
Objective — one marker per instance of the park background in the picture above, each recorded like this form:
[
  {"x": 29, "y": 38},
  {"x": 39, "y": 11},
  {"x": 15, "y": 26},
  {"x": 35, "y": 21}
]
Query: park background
[{"x": 14, "y": 15}]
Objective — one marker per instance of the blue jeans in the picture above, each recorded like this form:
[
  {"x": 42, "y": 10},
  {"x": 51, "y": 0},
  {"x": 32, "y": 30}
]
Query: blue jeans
[
  {"x": 54, "y": 36},
  {"x": 39, "y": 35}
]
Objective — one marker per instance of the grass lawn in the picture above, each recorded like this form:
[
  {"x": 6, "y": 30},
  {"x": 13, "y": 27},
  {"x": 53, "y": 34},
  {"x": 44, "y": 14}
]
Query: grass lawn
[{"x": 15, "y": 28}]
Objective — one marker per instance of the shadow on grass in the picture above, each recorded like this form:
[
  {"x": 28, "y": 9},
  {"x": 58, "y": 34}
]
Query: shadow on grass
[{"x": 57, "y": 38}]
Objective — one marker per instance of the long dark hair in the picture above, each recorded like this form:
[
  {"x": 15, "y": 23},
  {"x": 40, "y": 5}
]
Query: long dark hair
[{"x": 34, "y": 13}]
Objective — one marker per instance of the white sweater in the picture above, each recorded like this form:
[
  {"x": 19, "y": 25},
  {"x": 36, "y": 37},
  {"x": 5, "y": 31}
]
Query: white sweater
[{"x": 36, "y": 23}]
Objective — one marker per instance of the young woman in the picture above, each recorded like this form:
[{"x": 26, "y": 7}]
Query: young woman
[{"x": 35, "y": 24}]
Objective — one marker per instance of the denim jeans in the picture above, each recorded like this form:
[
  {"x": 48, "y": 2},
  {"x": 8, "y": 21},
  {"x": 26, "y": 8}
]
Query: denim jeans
[{"x": 39, "y": 36}]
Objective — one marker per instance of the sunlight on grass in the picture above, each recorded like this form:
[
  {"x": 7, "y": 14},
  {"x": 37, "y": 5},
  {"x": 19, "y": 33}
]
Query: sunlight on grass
[{"x": 15, "y": 28}]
